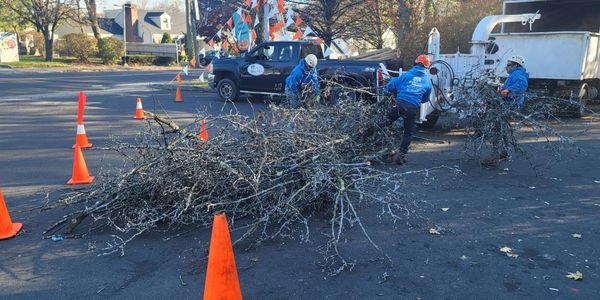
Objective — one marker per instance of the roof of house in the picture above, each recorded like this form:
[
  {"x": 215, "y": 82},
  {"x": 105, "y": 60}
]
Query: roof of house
[
  {"x": 106, "y": 28},
  {"x": 177, "y": 22},
  {"x": 109, "y": 26}
]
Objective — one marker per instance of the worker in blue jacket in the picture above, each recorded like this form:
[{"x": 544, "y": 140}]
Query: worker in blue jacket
[
  {"x": 412, "y": 88},
  {"x": 303, "y": 74},
  {"x": 513, "y": 94},
  {"x": 513, "y": 89}
]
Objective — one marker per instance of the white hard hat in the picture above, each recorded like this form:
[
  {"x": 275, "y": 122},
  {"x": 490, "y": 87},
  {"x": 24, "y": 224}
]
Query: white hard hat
[
  {"x": 311, "y": 60},
  {"x": 517, "y": 59}
]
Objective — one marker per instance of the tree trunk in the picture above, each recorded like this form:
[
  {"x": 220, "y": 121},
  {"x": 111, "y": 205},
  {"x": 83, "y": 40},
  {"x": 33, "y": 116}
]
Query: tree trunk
[
  {"x": 402, "y": 25},
  {"x": 48, "y": 47},
  {"x": 91, "y": 8}
]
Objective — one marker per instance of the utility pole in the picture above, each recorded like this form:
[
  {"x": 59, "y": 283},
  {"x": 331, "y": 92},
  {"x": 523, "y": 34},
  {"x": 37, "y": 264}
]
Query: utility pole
[
  {"x": 189, "y": 40},
  {"x": 195, "y": 17},
  {"x": 266, "y": 35}
]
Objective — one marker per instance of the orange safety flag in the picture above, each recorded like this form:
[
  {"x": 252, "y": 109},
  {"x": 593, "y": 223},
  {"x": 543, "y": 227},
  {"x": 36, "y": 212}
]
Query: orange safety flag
[
  {"x": 298, "y": 21},
  {"x": 297, "y": 35},
  {"x": 280, "y": 6},
  {"x": 230, "y": 23},
  {"x": 277, "y": 26},
  {"x": 225, "y": 45},
  {"x": 193, "y": 62}
]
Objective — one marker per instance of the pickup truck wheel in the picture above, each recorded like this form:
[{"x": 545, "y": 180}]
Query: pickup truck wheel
[
  {"x": 203, "y": 62},
  {"x": 227, "y": 90},
  {"x": 342, "y": 95}
]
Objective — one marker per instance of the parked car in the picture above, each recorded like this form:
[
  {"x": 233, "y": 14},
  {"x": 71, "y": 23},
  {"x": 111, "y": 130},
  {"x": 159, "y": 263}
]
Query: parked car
[
  {"x": 207, "y": 58},
  {"x": 263, "y": 70}
]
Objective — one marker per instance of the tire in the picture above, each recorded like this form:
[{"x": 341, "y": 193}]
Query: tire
[
  {"x": 432, "y": 118},
  {"x": 228, "y": 90},
  {"x": 203, "y": 62},
  {"x": 342, "y": 95}
]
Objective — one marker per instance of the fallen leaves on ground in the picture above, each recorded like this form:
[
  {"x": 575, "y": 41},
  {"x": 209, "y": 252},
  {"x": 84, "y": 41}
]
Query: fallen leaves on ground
[
  {"x": 575, "y": 276},
  {"x": 576, "y": 235},
  {"x": 509, "y": 252},
  {"x": 434, "y": 231}
]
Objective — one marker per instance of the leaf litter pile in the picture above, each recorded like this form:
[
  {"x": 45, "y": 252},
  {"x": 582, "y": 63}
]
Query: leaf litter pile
[{"x": 270, "y": 173}]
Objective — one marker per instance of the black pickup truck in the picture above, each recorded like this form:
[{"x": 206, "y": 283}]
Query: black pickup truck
[{"x": 263, "y": 70}]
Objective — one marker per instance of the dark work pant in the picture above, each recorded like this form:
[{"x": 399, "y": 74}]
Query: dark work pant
[{"x": 408, "y": 112}]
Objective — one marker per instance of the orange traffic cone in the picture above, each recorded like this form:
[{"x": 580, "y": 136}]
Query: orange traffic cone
[
  {"x": 80, "y": 170},
  {"x": 178, "y": 78},
  {"x": 178, "y": 95},
  {"x": 81, "y": 139},
  {"x": 8, "y": 229},
  {"x": 203, "y": 134},
  {"x": 139, "y": 110},
  {"x": 221, "y": 274}
]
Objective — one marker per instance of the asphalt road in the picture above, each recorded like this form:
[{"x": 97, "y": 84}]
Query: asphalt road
[{"x": 535, "y": 213}]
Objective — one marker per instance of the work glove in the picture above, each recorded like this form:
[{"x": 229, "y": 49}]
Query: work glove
[{"x": 504, "y": 92}]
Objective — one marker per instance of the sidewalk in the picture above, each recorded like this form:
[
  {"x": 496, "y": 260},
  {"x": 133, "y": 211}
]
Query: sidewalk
[{"x": 85, "y": 68}]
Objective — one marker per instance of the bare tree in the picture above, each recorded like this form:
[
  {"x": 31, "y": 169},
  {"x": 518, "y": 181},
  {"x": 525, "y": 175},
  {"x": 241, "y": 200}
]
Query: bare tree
[
  {"x": 93, "y": 19},
  {"x": 329, "y": 18},
  {"x": 45, "y": 15},
  {"x": 375, "y": 16}
]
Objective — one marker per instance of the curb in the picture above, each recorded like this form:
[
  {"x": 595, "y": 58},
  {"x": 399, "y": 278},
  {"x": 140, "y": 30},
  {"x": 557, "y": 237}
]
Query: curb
[{"x": 172, "y": 87}]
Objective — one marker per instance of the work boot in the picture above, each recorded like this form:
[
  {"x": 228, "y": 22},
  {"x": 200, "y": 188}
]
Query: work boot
[{"x": 400, "y": 158}]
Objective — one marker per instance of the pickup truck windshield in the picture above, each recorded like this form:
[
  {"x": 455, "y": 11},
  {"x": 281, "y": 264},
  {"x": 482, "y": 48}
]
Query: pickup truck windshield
[{"x": 263, "y": 53}]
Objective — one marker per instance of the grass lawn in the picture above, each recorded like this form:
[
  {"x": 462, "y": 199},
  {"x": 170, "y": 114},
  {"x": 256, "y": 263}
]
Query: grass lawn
[
  {"x": 30, "y": 61},
  {"x": 197, "y": 83}
]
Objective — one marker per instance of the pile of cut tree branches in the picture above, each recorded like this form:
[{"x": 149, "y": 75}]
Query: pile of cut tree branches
[{"x": 269, "y": 173}]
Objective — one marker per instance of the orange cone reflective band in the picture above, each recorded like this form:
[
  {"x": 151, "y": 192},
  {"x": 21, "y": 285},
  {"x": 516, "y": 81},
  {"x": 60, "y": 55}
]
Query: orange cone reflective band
[
  {"x": 139, "y": 110},
  {"x": 178, "y": 95},
  {"x": 81, "y": 139},
  {"x": 221, "y": 274},
  {"x": 8, "y": 229},
  {"x": 203, "y": 135},
  {"x": 80, "y": 170}
]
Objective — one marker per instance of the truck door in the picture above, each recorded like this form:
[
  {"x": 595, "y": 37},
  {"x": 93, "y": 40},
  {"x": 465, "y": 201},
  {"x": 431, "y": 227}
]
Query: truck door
[
  {"x": 257, "y": 70},
  {"x": 285, "y": 59}
]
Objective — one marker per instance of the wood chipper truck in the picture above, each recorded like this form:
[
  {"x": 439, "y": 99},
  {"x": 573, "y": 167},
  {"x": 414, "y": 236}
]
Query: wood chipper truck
[{"x": 559, "y": 39}]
